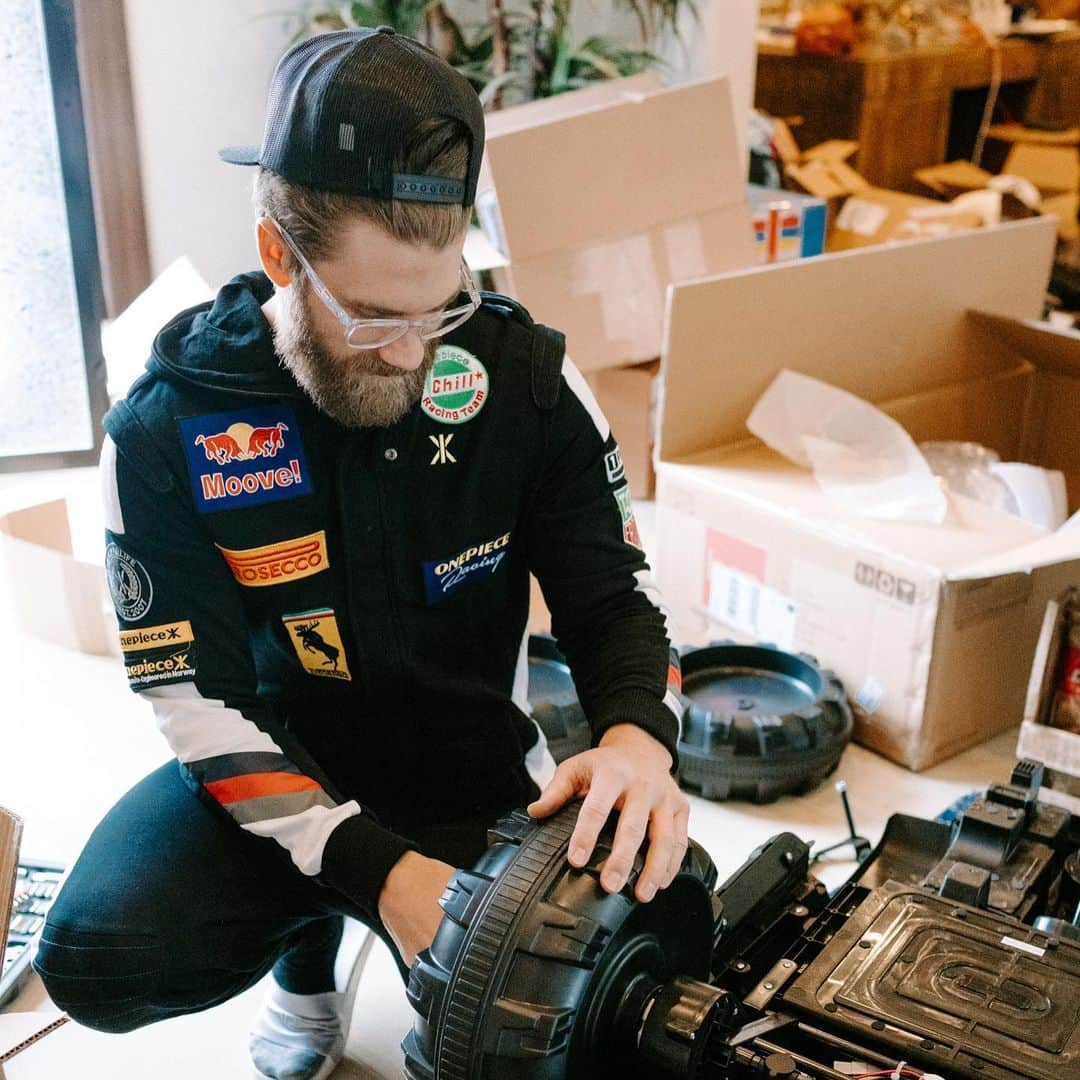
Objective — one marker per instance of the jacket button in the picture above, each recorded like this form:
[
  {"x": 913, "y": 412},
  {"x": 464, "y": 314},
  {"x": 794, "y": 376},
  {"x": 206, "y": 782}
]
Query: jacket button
[{"x": 390, "y": 454}]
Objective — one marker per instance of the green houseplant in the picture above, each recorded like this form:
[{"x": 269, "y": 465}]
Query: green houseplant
[{"x": 510, "y": 50}]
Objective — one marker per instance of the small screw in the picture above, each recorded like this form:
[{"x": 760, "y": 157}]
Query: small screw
[
  {"x": 926, "y": 1044},
  {"x": 768, "y": 986},
  {"x": 800, "y": 910},
  {"x": 390, "y": 454},
  {"x": 959, "y": 913},
  {"x": 878, "y": 1025},
  {"x": 741, "y": 965},
  {"x": 864, "y": 944},
  {"x": 787, "y": 963},
  {"x": 907, "y": 958},
  {"x": 1016, "y": 883},
  {"x": 978, "y": 1065},
  {"x": 831, "y": 1007}
]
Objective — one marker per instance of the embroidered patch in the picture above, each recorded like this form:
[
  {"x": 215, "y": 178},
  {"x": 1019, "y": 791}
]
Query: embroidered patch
[
  {"x": 457, "y": 386},
  {"x": 156, "y": 637},
  {"x": 158, "y": 666},
  {"x": 613, "y": 464},
  {"x": 317, "y": 641},
  {"x": 625, "y": 502},
  {"x": 443, "y": 577},
  {"x": 274, "y": 564},
  {"x": 244, "y": 458},
  {"x": 130, "y": 586},
  {"x": 443, "y": 455}
]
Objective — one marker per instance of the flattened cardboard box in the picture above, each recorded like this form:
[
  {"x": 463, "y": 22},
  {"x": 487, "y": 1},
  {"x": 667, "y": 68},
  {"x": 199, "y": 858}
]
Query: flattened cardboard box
[
  {"x": 601, "y": 198},
  {"x": 932, "y": 628}
]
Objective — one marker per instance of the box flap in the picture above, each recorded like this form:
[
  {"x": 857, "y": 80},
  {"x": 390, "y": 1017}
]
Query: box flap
[
  {"x": 954, "y": 176},
  {"x": 1052, "y": 169},
  {"x": 1017, "y": 133},
  {"x": 831, "y": 150},
  {"x": 826, "y": 179},
  {"x": 1049, "y": 348},
  {"x": 557, "y": 193},
  {"x": 882, "y": 323},
  {"x": 1062, "y": 546}
]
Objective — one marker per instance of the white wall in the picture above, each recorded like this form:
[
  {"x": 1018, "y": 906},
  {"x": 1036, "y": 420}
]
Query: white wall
[{"x": 200, "y": 70}]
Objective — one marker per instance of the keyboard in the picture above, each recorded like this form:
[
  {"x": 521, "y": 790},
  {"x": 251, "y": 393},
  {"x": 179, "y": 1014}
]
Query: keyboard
[{"x": 36, "y": 886}]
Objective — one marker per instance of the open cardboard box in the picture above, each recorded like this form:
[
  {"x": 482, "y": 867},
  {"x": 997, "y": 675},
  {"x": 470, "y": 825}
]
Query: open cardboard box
[
  {"x": 932, "y": 628},
  {"x": 55, "y": 596},
  {"x": 627, "y": 397},
  {"x": 1058, "y": 750},
  {"x": 600, "y": 198}
]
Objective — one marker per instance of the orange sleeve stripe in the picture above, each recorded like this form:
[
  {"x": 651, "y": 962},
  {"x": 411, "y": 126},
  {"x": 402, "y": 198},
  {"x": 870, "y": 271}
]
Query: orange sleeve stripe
[
  {"x": 256, "y": 785},
  {"x": 674, "y": 677}
]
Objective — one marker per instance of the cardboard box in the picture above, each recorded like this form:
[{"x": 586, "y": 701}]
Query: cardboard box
[
  {"x": 55, "y": 596},
  {"x": 601, "y": 198},
  {"x": 932, "y": 628},
  {"x": 1058, "y": 750},
  {"x": 1054, "y": 170},
  {"x": 786, "y": 225},
  {"x": 627, "y": 397}
]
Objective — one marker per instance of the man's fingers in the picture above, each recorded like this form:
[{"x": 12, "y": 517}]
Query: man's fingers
[
  {"x": 680, "y": 823},
  {"x": 561, "y": 788},
  {"x": 591, "y": 818},
  {"x": 629, "y": 836},
  {"x": 654, "y": 875}
]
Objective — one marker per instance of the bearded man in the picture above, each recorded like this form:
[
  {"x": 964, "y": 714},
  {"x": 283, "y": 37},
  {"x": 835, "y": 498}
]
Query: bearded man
[{"x": 324, "y": 499}]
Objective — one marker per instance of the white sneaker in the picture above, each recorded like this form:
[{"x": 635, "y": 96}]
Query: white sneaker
[{"x": 303, "y": 1036}]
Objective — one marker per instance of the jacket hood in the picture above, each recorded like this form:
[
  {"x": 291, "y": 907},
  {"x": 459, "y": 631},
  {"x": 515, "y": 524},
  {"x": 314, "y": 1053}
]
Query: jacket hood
[{"x": 226, "y": 343}]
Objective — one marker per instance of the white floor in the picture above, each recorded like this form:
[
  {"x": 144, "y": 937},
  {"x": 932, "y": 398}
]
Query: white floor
[{"x": 75, "y": 738}]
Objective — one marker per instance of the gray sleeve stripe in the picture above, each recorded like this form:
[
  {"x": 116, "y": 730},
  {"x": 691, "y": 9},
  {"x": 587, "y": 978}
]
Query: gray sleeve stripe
[
  {"x": 267, "y": 807},
  {"x": 225, "y": 766}
]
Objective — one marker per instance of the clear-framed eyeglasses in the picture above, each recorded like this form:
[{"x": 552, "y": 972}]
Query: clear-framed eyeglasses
[{"x": 378, "y": 333}]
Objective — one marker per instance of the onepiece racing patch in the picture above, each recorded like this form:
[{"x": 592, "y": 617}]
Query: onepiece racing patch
[
  {"x": 317, "y": 641},
  {"x": 457, "y": 386},
  {"x": 158, "y": 655},
  {"x": 443, "y": 577},
  {"x": 244, "y": 458}
]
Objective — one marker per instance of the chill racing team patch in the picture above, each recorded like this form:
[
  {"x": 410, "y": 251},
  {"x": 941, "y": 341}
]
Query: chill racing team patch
[
  {"x": 317, "y": 641},
  {"x": 274, "y": 564},
  {"x": 457, "y": 386},
  {"x": 156, "y": 655},
  {"x": 244, "y": 458},
  {"x": 443, "y": 577}
]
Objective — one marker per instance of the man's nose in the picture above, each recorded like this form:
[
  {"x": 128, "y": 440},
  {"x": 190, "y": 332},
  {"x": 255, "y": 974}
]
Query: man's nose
[{"x": 406, "y": 353}]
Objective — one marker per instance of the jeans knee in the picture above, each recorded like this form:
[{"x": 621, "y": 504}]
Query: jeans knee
[{"x": 103, "y": 981}]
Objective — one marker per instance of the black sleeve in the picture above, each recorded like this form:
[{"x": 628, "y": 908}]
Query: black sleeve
[{"x": 584, "y": 548}]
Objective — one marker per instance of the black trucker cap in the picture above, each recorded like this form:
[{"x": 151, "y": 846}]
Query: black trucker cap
[{"x": 342, "y": 104}]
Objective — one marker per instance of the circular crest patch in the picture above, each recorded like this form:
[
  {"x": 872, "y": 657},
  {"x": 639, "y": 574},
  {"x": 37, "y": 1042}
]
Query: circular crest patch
[
  {"x": 457, "y": 386},
  {"x": 129, "y": 583}
]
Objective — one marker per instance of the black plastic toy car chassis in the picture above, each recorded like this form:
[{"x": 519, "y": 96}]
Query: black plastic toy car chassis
[{"x": 952, "y": 952}]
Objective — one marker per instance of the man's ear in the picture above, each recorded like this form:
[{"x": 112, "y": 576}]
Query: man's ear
[{"x": 272, "y": 252}]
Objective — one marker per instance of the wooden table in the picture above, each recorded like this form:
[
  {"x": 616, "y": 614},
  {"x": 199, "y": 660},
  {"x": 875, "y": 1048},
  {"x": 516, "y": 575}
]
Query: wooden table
[{"x": 899, "y": 106}]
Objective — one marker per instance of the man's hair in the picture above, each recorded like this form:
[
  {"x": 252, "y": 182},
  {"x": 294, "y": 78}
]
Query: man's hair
[{"x": 438, "y": 147}]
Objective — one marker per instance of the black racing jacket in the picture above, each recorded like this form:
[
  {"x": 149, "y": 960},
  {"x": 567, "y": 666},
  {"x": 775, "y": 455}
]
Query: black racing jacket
[{"x": 331, "y": 622}]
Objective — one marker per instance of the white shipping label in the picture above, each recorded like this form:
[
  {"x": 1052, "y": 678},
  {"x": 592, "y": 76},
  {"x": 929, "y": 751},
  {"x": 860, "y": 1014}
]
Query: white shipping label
[
  {"x": 743, "y": 603},
  {"x": 861, "y": 217}
]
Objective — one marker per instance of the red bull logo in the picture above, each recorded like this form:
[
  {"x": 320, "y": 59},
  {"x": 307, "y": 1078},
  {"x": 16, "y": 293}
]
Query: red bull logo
[
  {"x": 238, "y": 459},
  {"x": 242, "y": 442}
]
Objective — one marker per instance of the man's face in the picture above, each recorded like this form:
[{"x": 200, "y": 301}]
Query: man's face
[{"x": 371, "y": 275}]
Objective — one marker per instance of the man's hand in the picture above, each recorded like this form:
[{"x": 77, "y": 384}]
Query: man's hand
[
  {"x": 409, "y": 902},
  {"x": 630, "y": 772}
]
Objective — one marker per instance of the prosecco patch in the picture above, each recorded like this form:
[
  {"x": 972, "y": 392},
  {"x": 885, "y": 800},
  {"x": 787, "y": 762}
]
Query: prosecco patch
[{"x": 443, "y": 577}]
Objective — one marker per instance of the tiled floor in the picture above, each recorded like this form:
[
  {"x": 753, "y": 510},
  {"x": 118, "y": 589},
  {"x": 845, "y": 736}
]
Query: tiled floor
[{"x": 75, "y": 739}]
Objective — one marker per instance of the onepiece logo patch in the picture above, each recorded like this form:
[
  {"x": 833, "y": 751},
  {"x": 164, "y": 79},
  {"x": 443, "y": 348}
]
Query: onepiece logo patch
[
  {"x": 155, "y": 637},
  {"x": 317, "y": 641},
  {"x": 244, "y": 458},
  {"x": 129, "y": 584},
  {"x": 443, "y": 577},
  {"x": 274, "y": 564},
  {"x": 160, "y": 666},
  {"x": 457, "y": 386}
]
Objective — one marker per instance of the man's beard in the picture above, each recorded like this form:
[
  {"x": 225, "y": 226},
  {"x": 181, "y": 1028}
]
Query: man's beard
[{"x": 359, "y": 391}]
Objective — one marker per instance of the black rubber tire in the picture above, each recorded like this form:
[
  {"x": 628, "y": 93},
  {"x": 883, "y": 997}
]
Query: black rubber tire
[
  {"x": 554, "y": 700},
  {"x": 759, "y": 764},
  {"x": 514, "y": 982}
]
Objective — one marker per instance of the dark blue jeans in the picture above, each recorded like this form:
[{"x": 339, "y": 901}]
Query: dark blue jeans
[{"x": 171, "y": 909}]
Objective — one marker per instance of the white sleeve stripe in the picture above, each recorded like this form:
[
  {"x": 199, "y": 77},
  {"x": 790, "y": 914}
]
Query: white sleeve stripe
[
  {"x": 580, "y": 388},
  {"x": 671, "y": 700},
  {"x": 110, "y": 493},
  {"x": 647, "y": 585},
  {"x": 196, "y": 727},
  {"x": 304, "y": 835}
]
